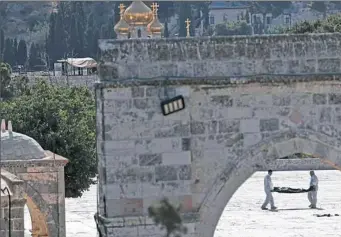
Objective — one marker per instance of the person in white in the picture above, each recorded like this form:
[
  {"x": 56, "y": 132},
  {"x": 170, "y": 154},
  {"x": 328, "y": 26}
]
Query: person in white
[
  {"x": 268, "y": 187},
  {"x": 312, "y": 194}
]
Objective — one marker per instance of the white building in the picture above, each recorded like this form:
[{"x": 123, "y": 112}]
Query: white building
[
  {"x": 222, "y": 12},
  {"x": 289, "y": 19},
  {"x": 75, "y": 67}
]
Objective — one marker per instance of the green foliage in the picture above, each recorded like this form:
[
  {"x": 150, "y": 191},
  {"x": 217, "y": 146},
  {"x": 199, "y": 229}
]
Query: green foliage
[
  {"x": 34, "y": 58},
  {"x": 275, "y": 7},
  {"x": 76, "y": 27},
  {"x": 5, "y": 79},
  {"x": 62, "y": 120},
  {"x": 329, "y": 25},
  {"x": 2, "y": 43},
  {"x": 233, "y": 28},
  {"x": 22, "y": 53},
  {"x": 168, "y": 217}
]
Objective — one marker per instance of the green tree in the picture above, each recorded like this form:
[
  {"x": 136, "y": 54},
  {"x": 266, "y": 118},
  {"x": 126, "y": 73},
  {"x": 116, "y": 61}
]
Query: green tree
[
  {"x": 22, "y": 53},
  {"x": 15, "y": 51},
  {"x": 92, "y": 36},
  {"x": 17, "y": 86},
  {"x": 329, "y": 25},
  {"x": 62, "y": 120},
  {"x": 165, "y": 11},
  {"x": 9, "y": 52},
  {"x": 2, "y": 44},
  {"x": 33, "y": 56},
  {"x": 235, "y": 28},
  {"x": 167, "y": 217},
  {"x": 5, "y": 79}
]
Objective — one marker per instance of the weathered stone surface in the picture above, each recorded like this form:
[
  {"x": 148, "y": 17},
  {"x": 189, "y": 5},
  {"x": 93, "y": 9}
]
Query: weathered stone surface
[
  {"x": 203, "y": 57},
  {"x": 150, "y": 159},
  {"x": 197, "y": 128},
  {"x": 319, "y": 99},
  {"x": 165, "y": 173},
  {"x": 335, "y": 98},
  {"x": 229, "y": 126},
  {"x": 239, "y": 118},
  {"x": 224, "y": 101},
  {"x": 186, "y": 144},
  {"x": 269, "y": 124}
]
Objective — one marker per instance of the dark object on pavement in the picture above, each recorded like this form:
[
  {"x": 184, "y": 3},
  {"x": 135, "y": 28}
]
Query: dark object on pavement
[
  {"x": 326, "y": 215},
  {"x": 290, "y": 190}
]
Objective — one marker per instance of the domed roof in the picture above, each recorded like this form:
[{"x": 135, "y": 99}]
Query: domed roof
[
  {"x": 155, "y": 27},
  {"x": 17, "y": 146},
  {"x": 138, "y": 14},
  {"x": 122, "y": 27}
]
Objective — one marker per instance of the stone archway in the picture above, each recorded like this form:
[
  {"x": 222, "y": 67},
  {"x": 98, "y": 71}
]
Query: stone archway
[
  {"x": 38, "y": 219},
  {"x": 255, "y": 159},
  {"x": 42, "y": 175}
]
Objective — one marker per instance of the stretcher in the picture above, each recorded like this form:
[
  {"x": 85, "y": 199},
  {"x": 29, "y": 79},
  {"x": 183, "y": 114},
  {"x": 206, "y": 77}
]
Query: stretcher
[{"x": 291, "y": 190}]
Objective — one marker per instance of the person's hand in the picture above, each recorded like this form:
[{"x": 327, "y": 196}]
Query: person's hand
[{"x": 311, "y": 188}]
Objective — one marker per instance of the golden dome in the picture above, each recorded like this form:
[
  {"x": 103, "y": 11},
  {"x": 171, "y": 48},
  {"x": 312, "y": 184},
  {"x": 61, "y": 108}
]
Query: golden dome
[
  {"x": 122, "y": 26},
  {"x": 155, "y": 27},
  {"x": 138, "y": 14}
]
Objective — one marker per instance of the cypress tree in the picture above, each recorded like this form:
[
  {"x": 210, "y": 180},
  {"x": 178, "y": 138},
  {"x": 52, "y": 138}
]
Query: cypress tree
[
  {"x": 2, "y": 44},
  {"x": 15, "y": 51},
  {"x": 9, "y": 54},
  {"x": 22, "y": 53},
  {"x": 80, "y": 27},
  {"x": 50, "y": 39},
  {"x": 32, "y": 59}
]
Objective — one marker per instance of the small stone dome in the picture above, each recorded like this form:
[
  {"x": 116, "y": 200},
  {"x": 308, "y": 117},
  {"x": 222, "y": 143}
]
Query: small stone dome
[
  {"x": 138, "y": 14},
  {"x": 17, "y": 146}
]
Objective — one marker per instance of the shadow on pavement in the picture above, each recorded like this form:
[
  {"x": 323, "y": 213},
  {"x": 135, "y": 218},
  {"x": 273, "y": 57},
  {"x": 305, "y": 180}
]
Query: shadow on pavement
[{"x": 299, "y": 209}]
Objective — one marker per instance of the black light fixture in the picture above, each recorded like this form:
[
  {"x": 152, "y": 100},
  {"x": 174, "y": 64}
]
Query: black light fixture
[{"x": 172, "y": 105}]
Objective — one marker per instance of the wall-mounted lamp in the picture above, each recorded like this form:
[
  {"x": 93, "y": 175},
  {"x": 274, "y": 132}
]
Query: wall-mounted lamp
[{"x": 172, "y": 105}]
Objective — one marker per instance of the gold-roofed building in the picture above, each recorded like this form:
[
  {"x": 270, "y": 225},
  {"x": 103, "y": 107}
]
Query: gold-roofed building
[
  {"x": 155, "y": 27},
  {"x": 138, "y": 14},
  {"x": 122, "y": 28},
  {"x": 138, "y": 21}
]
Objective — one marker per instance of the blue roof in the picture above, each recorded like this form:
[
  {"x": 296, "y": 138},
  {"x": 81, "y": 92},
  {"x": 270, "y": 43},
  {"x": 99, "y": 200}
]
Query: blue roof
[{"x": 224, "y": 5}]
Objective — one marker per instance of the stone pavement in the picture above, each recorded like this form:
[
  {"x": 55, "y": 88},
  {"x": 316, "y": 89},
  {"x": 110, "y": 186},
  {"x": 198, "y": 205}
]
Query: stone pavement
[{"x": 242, "y": 217}]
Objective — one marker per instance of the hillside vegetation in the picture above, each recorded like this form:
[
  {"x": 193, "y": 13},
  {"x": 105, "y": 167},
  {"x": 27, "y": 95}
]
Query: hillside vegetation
[{"x": 25, "y": 20}]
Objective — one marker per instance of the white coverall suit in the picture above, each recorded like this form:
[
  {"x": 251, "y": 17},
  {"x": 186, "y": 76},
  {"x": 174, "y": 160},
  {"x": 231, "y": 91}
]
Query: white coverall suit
[
  {"x": 312, "y": 195},
  {"x": 267, "y": 188}
]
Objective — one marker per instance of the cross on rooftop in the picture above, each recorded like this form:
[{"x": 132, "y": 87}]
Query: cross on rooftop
[
  {"x": 121, "y": 7},
  {"x": 187, "y": 23},
  {"x": 155, "y": 7}
]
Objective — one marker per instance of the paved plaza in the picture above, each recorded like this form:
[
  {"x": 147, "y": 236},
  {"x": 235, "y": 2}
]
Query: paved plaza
[{"x": 242, "y": 216}]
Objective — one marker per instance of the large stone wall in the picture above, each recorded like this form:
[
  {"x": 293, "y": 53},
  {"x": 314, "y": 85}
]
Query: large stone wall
[
  {"x": 144, "y": 156},
  {"x": 241, "y": 56},
  {"x": 198, "y": 157}
]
